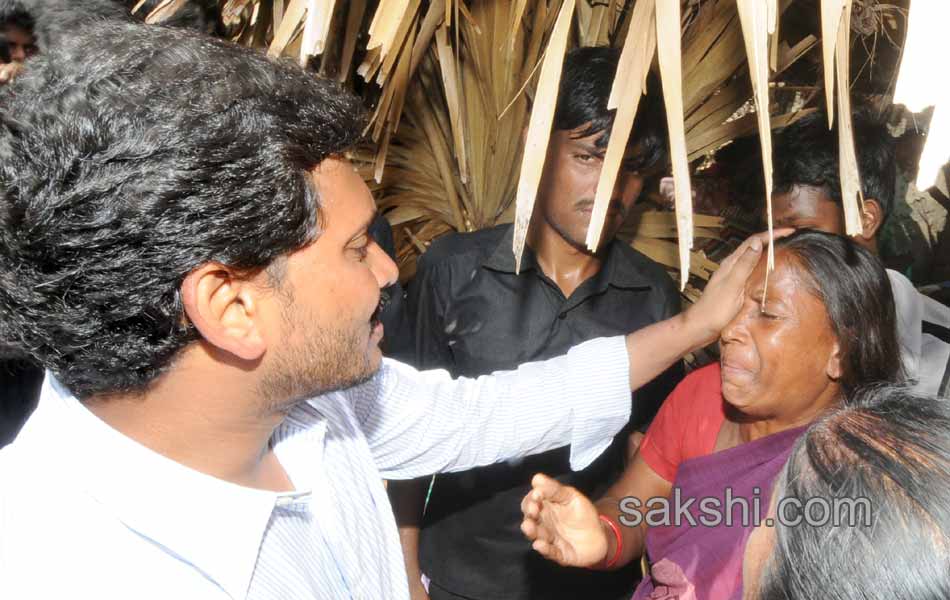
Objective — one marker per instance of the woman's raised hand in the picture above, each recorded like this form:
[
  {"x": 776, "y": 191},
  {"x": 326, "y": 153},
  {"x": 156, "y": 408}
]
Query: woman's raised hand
[{"x": 563, "y": 524}]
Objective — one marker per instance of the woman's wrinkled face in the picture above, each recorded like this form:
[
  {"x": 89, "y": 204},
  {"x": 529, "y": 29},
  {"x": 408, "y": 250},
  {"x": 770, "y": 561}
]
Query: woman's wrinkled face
[{"x": 780, "y": 357}]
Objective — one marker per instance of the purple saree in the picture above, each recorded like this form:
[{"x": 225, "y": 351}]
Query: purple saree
[{"x": 704, "y": 562}]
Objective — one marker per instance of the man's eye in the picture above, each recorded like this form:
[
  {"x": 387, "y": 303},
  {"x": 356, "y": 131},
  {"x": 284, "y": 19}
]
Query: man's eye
[
  {"x": 767, "y": 315},
  {"x": 585, "y": 157}
]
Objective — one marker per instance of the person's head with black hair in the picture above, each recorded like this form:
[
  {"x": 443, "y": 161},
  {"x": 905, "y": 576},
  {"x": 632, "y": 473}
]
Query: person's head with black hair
[
  {"x": 16, "y": 29},
  {"x": 869, "y": 488},
  {"x": 173, "y": 206},
  {"x": 806, "y": 175},
  {"x": 581, "y": 131}
]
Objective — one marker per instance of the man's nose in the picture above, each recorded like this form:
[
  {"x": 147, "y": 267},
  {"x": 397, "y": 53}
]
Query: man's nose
[
  {"x": 385, "y": 270},
  {"x": 17, "y": 53}
]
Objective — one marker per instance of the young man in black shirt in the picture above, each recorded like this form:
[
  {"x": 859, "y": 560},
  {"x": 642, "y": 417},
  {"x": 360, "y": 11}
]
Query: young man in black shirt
[{"x": 471, "y": 314}]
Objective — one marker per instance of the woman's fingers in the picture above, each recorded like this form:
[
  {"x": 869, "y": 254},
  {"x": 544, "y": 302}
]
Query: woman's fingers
[
  {"x": 546, "y": 488},
  {"x": 530, "y": 529}
]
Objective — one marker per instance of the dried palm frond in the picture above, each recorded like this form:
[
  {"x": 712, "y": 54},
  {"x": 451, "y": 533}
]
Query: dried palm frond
[{"x": 450, "y": 83}]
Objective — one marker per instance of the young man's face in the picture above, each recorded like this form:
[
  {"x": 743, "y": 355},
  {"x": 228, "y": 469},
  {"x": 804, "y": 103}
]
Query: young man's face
[
  {"x": 808, "y": 207},
  {"x": 569, "y": 184},
  {"x": 325, "y": 331},
  {"x": 20, "y": 42}
]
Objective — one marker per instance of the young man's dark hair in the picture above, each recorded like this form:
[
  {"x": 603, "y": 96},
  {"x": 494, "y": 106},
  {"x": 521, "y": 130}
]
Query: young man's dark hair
[
  {"x": 881, "y": 469},
  {"x": 586, "y": 80},
  {"x": 472, "y": 314},
  {"x": 806, "y": 154},
  {"x": 111, "y": 320}
]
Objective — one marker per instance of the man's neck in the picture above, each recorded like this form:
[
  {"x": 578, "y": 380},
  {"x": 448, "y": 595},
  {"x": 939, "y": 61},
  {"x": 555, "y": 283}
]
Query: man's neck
[
  {"x": 204, "y": 415},
  {"x": 564, "y": 263}
]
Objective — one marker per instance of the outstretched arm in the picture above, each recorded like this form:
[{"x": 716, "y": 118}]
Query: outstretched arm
[{"x": 418, "y": 423}]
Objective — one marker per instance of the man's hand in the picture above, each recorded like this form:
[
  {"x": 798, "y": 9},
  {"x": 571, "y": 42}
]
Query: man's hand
[
  {"x": 724, "y": 294},
  {"x": 9, "y": 71},
  {"x": 563, "y": 524}
]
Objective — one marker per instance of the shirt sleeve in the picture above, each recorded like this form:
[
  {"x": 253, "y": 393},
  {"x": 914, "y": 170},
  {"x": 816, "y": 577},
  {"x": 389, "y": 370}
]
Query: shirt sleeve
[{"x": 423, "y": 422}]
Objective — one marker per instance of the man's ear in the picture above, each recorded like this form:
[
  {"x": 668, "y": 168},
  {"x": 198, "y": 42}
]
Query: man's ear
[
  {"x": 223, "y": 307},
  {"x": 834, "y": 370},
  {"x": 872, "y": 217}
]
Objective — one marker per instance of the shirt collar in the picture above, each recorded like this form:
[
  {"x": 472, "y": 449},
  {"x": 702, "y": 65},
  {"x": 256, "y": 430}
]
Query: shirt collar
[
  {"x": 214, "y": 525},
  {"x": 620, "y": 269},
  {"x": 502, "y": 257}
]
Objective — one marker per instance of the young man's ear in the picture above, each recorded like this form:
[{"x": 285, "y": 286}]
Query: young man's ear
[
  {"x": 872, "y": 217},
  {"x": 223, "y": 307}
]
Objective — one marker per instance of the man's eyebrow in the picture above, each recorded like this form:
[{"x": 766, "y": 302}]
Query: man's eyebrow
[
  {"x": 364, "y": 229},
  {"x": 587, "y": 147}
]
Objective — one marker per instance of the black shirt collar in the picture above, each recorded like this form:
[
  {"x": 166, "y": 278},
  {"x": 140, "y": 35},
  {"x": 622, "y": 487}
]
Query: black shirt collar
[{"x": 620, "y": 269}]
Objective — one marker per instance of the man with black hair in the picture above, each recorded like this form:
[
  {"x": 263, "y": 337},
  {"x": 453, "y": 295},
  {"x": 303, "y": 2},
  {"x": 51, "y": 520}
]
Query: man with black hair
[
  {"x": 472, "y": 314},
  {"x": 185, "y": 248},
  {"x": 807, "y": 194},
  {"x": 17, "y": 42}
]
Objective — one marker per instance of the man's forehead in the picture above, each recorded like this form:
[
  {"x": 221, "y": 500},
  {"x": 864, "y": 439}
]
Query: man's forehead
[{"x": 344, "y": 196}]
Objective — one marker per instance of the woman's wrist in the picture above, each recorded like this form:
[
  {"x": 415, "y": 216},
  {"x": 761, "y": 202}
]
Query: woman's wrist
[{"x": 613, "y": 543}]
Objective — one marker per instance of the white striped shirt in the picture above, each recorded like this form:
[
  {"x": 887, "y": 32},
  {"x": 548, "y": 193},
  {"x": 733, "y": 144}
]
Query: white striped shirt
[{"x": 86, "y": 512}]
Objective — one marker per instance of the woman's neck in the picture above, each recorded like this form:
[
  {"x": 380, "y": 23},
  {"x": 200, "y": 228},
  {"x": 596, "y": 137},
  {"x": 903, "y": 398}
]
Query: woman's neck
[{"x": 738, "y": 430}]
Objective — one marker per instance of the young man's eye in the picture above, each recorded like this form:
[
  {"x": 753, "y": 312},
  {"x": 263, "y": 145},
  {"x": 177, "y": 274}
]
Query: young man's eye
[{"x": 585, "y": 157}]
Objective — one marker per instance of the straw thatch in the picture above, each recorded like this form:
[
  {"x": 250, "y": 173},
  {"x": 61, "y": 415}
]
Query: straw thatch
[{"x": 451, "y": 83}]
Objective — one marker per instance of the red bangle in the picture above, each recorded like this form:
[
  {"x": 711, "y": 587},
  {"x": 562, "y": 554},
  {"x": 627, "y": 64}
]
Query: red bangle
[{"x": 616, "y": 530}]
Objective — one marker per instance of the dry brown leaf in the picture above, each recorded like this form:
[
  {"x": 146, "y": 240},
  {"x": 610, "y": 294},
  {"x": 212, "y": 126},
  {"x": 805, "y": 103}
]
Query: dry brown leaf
[
  {"x": 625, "y": 95},
  {"x": 758, "y": 22},
  {"x": 539, "y": 128},
  {"x": 164, "y": 11},
  {"x": 669, "y": 51},
  {"x": 288, "y": 27}
]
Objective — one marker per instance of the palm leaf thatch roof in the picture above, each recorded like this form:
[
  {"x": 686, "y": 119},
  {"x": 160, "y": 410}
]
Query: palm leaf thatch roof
[{"x": 451, "y": 85}]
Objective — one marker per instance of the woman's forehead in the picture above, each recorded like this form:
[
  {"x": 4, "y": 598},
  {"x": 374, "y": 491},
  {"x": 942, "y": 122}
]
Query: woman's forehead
[{"x": 787, "y": 283}]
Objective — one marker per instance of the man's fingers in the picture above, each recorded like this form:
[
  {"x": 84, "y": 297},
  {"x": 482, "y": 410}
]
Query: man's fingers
[{"x": 756, "y": 243}]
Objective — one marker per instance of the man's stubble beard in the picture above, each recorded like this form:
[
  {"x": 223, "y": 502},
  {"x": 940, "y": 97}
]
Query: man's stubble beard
[{"x": 328, "y": 360}]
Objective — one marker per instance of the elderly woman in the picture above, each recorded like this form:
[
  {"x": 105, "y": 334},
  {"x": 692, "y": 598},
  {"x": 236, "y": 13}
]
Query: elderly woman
[
  {"x": 821, "y": 324},
  {"x": 881, "y": 529}
]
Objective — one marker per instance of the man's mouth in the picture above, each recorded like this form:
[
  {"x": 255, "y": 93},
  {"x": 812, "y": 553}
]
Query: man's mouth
[
  {"x": 384, "y": 299},
  {"x": 587, "y": 207}
]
